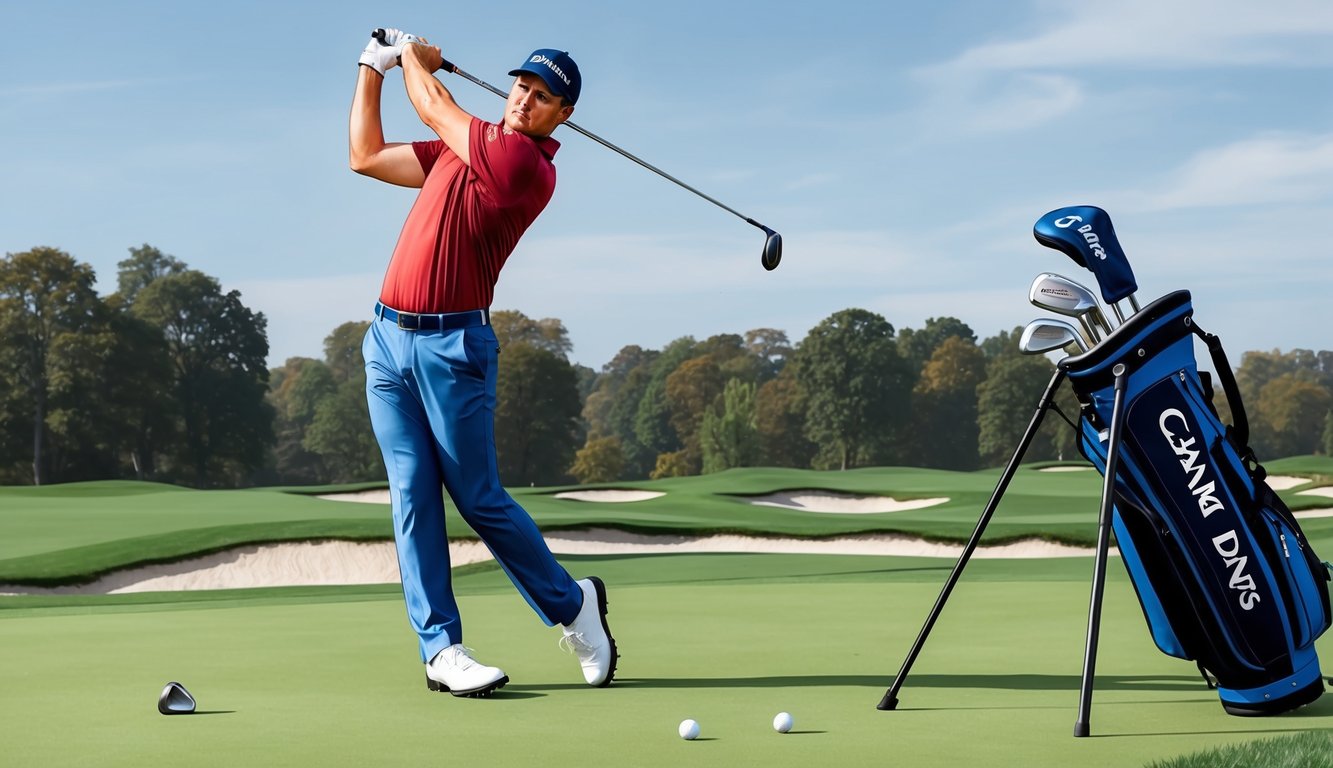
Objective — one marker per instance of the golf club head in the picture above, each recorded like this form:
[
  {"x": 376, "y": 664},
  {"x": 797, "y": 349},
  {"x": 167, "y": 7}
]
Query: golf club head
[
  {"x": 1058, "y": 293},
  {"x": 175, "y": 700},
  {"x": 1084, "y": 233},
  {"x": 1047, "y": 335},
  {"x": 772, "y": 249}
]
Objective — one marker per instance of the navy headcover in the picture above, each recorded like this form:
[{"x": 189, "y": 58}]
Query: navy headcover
[{"x": 1084, "y": 234}]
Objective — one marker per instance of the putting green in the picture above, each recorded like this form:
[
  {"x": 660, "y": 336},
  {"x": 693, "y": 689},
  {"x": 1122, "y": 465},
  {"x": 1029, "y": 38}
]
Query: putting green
[{"x": 330, "y": 677}]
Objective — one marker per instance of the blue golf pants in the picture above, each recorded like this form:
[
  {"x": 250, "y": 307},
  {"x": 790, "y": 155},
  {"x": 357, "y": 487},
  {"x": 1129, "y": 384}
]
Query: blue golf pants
[{"x": 432, "y": 406}]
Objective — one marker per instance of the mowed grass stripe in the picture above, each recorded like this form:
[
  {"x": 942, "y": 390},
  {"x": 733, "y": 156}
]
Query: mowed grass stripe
[{"x": 291, "y": 681}]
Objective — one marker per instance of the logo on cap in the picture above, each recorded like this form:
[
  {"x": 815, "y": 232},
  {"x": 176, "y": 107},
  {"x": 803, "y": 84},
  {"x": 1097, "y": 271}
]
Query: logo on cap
[{"x": 551, "y": 65}]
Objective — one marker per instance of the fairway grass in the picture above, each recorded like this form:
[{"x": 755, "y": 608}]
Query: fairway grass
[{"x": 330, "y": 676}]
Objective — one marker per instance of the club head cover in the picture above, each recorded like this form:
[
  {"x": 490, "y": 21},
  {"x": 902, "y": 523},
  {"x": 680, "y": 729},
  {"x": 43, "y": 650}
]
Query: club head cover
[{"x": 1084, "y": 233}]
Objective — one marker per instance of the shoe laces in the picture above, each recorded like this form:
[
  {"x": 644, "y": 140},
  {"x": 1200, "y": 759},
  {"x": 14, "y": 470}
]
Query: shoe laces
[
  {"x": 461, "y": 658},
  {"x": 574, "y": 643}
]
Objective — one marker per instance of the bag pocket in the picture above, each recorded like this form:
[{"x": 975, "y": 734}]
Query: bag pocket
[{"x": 1308, "y": 605}]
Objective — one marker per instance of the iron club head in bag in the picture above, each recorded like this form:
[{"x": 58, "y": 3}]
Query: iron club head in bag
[
  {"x": 1047, "y": 335},
  {"x": 1067, "y": 297}
]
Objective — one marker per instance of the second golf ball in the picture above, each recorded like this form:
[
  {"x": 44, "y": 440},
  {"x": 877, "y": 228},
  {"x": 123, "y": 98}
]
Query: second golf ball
[
  {"x": 782, "y": 722},
  {"x": 689, "y": 730}
]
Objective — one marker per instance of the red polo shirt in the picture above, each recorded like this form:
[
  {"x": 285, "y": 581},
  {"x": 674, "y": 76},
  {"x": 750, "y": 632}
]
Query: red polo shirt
[{"x": 467, "y": 220}]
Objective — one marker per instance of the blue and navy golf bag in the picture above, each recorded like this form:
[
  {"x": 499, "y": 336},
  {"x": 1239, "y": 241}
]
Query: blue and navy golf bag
[{"x": 1222, "y": 570}]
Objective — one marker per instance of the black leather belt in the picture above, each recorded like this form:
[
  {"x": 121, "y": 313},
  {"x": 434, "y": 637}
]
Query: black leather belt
[{"x": 447, "y": 321}]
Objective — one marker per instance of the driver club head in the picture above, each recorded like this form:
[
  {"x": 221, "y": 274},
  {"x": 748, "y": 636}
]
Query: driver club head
[
  {"x": 175, "y": 700},
  {"x": 1047, "y": 335},
  {"x": 772, "y": 249}
]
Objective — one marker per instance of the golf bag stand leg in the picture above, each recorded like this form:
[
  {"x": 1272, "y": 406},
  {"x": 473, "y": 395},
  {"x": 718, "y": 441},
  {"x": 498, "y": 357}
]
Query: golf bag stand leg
[
  {"x": 1082, "y": 726},
  {"x": 890, "y": 700}
]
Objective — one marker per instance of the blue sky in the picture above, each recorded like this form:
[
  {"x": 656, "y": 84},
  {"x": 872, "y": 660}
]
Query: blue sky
[{"x": 903, "y": 150}]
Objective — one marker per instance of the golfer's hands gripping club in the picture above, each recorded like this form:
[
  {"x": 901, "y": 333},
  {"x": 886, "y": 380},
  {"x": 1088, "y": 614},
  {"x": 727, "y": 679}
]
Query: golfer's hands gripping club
[
  {"x": 397, "y": 38},
  {"x": 401, "y": 40},
  {"x": 378, "y": 56}
]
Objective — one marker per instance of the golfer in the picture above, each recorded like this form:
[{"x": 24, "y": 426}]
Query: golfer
[{"x": 430, "y": 353}]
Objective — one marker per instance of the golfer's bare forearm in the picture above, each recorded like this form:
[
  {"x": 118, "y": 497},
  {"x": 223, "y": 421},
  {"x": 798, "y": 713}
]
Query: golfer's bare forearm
[
  {"x": 368, "y": 153},
  {"x": 433, "y": 102}
]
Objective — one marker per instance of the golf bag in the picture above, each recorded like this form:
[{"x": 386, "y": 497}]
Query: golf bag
[{"x": 1223, "y": 572}]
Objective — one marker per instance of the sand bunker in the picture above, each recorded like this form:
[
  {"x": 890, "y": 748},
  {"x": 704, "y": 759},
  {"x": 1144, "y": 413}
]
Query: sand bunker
[
  {"x": 1325, "y": 491},
  {"x": 1064, "y": 469},
  {"x": 609, "y": 495},
  {"x": 345, "y": 562},
  {"x": 614, "y": 495},
  {"x": 365, "y": 497},
  {"x": 840, "y": 503},
  {"x": 1283, "y": 482}
]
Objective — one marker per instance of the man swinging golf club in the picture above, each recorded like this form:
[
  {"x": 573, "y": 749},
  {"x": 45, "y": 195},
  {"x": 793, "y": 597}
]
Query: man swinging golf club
[{"x": 430, "y": 353}]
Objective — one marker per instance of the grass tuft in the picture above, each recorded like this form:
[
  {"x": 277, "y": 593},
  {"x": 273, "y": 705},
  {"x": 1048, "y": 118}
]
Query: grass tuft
[{"x": 1311, "y": 749}]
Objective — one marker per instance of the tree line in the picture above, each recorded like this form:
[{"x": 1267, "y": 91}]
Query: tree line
[{"x": 165, "y": 379}]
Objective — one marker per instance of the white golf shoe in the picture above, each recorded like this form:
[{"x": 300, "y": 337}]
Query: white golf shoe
[
  {"x": 454, "y": 670},
  {"x": 590, "y": 638}
]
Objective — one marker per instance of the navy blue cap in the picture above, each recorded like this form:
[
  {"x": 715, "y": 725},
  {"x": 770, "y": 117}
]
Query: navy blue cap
[{"x": 557, "y": 70}]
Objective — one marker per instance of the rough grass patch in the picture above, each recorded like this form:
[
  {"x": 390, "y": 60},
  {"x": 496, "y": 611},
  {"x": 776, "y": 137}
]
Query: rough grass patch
[{"x": 1312, "y": 749}]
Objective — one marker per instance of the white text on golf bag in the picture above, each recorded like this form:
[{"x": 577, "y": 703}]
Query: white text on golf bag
[{"x": 1226, "y": 544}]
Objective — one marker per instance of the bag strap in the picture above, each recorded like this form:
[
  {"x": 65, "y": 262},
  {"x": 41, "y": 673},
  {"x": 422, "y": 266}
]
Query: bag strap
[{"x": 1240, "y": 429}]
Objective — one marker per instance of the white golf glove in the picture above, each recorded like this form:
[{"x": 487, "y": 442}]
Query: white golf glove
[
  {"x": 397, "y": 38},
  {"x": 380, "y": 57}
]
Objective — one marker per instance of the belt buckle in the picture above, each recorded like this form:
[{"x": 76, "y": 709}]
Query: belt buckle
[{"x": 416, "y": 326}]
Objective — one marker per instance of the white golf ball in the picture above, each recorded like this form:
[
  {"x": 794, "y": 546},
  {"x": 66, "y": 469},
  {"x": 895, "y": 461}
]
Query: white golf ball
[
  {"x": 689, "y": 730},
  {"x": 782, "y": 722}
]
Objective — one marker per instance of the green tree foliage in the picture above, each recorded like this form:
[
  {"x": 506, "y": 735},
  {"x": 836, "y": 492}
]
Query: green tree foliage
[
  {"x": 691, "y": 391},
  {"x": 729, "y": 435},
  {"x": 1290, "y": 411},
  {"x": 340, "y": 434},
  {"x": 216, "y": 346},
  {"x": 652, "y": 421},
  {"x": 1006, "y": 402},
  {"x": 1326, "y": 444},
  {"x": 944, "y": 412},
  {"x": 537, "y": 425},
  {"x": 139, "y": 406},
  {"x": 513, "y": 327},
  {"x": 856, "y": 385},
  {"x": 917, "y": 346},
  {"x": 780, "y": 422},
  {"x": 1281, "y": 393},
  {"x": 771, "y": 349},
  {"x": 612, "y": 407},
  {"x": 145, "y": 265},
  {"x": 600, "y": 460},
  {"x": 46, "y": 300},
  {"x": 295, "y": 392}
]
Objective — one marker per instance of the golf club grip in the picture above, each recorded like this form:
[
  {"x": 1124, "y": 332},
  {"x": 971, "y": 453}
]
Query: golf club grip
[{"x": 445, "y": 64}]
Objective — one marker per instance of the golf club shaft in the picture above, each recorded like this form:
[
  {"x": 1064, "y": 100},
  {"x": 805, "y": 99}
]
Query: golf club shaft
[{"x": 449, "y": 66}]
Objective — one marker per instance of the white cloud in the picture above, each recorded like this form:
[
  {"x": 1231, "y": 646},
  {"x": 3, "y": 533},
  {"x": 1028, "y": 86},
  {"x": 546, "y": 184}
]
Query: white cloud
[
  {"x": 1257, "y": 171},
  {"x": 1030, "y": 79},
  {"x": 1151, "y": 33}
]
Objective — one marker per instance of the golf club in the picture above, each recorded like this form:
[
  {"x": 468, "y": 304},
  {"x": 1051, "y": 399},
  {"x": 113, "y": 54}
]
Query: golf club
[
  {"x": 1084, "y": 233},
  {"x": 1060, "y": 294},
  {"x": 1047, "y": 335},
  {"x": 772, "y": 242}
]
